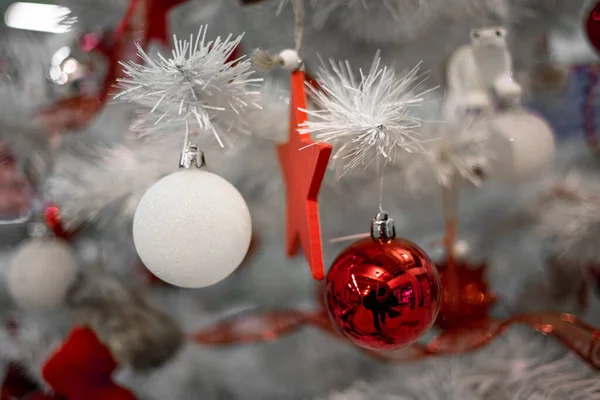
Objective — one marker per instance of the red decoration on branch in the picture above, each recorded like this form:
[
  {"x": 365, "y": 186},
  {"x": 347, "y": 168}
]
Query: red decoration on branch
[
  {"x": 304, "y": 163},
  {"x": 16, "y": 384},
  {"x": 53, "y": 221},
  {"x": 469, "y": 305},
  {"x": 144, "y": 20},
  {"x": 156, "y": 19},
  {"x": 82, "y": 369},
  {"x": 592, "y": 27}
]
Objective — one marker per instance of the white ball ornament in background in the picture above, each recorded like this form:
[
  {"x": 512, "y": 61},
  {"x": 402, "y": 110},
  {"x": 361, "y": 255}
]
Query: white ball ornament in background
[
  {"x": 192, "y": 228},
  {"x": 522, "y": 145},
  {"x": 291, "y": 59},
  {"x": 41, "y": 273}
]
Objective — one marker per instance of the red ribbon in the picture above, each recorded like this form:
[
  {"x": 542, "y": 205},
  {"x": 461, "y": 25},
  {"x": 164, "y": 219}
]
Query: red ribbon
[{"x": 578, "y": 336}]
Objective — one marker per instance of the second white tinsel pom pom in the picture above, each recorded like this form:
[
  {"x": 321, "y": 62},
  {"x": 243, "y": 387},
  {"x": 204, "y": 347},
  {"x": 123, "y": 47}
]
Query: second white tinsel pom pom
[{"x": 368, "y": 118}]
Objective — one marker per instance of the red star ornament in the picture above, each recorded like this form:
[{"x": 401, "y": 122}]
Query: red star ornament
[
  {"x": 304, "y": 163},
  {"x": 156, "y": 19}
]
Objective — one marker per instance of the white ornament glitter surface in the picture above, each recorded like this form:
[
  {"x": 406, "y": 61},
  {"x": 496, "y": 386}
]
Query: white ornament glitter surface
[
  {"x": 522, "y": 145},
  {"x": 192, "y": 228},
  {"x": 41, "y": 272}
]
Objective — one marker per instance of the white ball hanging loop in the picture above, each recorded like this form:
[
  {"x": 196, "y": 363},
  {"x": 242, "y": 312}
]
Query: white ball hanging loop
[
  {"x": 192, "y": 228},
  {"x": 291, "y": 59}
]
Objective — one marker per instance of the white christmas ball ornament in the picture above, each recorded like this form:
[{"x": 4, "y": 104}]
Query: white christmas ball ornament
[
  {"x": 41, "y": 272},
  {"x": 291, "y": 59},
  {"x": 192, "y": 228},
  {"x": 522, "y": 146}
]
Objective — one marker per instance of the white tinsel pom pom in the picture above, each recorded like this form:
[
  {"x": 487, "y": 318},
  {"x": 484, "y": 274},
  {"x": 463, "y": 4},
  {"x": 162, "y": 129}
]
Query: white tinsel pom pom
[
  {"x": 367, "y": 118},
  {"x": 198, "y": 82},
  {"x": 41, "y": 272}
]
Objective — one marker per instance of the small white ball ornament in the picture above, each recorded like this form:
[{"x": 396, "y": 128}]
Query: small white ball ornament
[
  {"x": 291, "y": 59},
  {"x": 192, "y": 228},
  {"x": 41, "y": 273},
  {"x": 522, "y": 145}
]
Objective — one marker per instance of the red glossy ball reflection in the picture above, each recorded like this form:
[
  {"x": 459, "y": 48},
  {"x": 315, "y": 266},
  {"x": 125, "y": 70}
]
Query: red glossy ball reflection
[
  {"x": 592, "y": 26},
  {"x": 383, "y": 295}
]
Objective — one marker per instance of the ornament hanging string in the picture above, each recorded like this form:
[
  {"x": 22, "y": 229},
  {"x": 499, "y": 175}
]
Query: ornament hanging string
[
  {"x": 299, "y": 23},
  {"x": 265, "y": 61}
]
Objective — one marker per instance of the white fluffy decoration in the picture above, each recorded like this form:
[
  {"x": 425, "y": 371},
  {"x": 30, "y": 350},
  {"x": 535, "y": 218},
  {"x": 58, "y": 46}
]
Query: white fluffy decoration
[
  {"x": 460, "y": 155},
  {"x": 192, "y": 228},
  {"x": 368, "y": 118},
  {"x": 118, "y": 179},
  {"x": 41, "y": 272},
  {"x": 399, "y": 21},
  {"x": 196, "y": 83},
  {"x": 571, "y": 218},
  {"x": 523, "y": 146}
]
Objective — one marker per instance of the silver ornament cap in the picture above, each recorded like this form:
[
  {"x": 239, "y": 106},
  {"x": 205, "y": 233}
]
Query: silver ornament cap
[
  {"x": 383, "y": 227},
  {"x": 192, "y": 156}
]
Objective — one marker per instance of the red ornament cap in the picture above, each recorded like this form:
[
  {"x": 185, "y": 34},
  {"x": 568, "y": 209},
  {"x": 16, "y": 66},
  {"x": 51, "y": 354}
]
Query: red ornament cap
[
  {"x": 304, "y": 163},
  {"x": 592, "y": 27},
  {"x": 382, "y": 292}
]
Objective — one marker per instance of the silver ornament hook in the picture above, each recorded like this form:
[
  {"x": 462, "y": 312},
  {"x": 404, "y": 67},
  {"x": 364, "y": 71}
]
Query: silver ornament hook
[
  {"x": 192, "y": 156},
  {"x": 383, "y": 227}
]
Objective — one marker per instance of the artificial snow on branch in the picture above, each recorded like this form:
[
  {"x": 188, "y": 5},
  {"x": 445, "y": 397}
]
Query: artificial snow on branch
[
  {"x": 460, "y": 153},
  {"x": 570, "y": 217},
  {"x": 118, "y": 179},
  {"x": 198, "y": 82},
  {"x": 369, "y": 118}
]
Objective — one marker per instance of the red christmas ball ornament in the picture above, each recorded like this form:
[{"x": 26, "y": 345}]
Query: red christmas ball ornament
[
  {"x": 383, "y": 292},
  {"x": 592, "y": 26}
]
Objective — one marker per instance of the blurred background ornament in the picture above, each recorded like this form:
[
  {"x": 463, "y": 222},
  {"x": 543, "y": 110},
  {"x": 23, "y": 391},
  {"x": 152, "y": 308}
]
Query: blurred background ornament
[
  {"x": 383, "y": 292},
  {"x": 41, "y": 272},
  {"x": 72, "y": 72},
  {"x": 592, "y": 26},
  {"x": 522, "y": 146},
  {"x": 82, "y": 368},
  {"x": 479, "y": 75}
]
